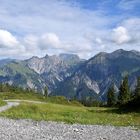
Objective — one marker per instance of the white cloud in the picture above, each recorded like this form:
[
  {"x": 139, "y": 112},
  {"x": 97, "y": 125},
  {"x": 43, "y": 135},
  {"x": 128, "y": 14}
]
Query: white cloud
[
  {"x": 120, "y": 35},
  {"x": 50, "y": 43},
  {"x": 31, "y": 43},
  {"x": 98, "y": 40},
  {"x": 31, "y": 40},
  {"x": 9, "y": 45},
  {"x": 7, "y": 39},
  {"x": 50, "y": 40},
  {"x": 56, "y": 26},
  {"x": 133, "y": 27}
]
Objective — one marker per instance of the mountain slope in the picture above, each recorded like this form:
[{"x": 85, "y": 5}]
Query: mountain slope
[
  {"x": 17, "y": 73},
  {"x": 5, "y": 62},
  {"x": 95, "y": 76},
  {"x": 54, "y": 69},
  {"x": 36, "y": 73},
  {"x": 72, "y": 77}
]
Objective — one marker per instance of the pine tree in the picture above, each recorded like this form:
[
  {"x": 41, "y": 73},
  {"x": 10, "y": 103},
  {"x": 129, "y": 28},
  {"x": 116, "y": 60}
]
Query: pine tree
[
  {"x": 111, "y": 100},
  {"x": 1, "y": 88},
  {"x": 124, "y": 93},
  {"x": 137, "y": 90},
  {"x": 46, "y": 92}
]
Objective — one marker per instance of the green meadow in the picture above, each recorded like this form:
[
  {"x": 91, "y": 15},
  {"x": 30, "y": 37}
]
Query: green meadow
[
  {"x": 61, "y": 110},
  {"x": 73, "y": 114}
]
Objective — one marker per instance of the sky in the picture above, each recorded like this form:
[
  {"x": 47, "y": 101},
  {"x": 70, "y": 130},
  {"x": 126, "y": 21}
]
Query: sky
[{"x": 83, "y": 27}]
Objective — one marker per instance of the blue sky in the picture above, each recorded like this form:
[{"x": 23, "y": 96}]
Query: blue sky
[{"x": 83, "y": 27}]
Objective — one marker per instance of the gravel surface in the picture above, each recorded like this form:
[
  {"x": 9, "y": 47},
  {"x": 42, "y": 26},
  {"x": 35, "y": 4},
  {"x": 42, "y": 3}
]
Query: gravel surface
[{"x": 33, "y": 130}]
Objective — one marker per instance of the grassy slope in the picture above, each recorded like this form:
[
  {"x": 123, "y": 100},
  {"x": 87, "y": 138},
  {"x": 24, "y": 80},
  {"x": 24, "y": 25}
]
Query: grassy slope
[
  {"x": 19, "y": 68},
  {"x": 2, "y": 103},
  {"x": 22, "y": 96},
  {"x": 73, "y": 114},
  {"x": 37, "y": 97},
  {"x": 59, "y": 109}
]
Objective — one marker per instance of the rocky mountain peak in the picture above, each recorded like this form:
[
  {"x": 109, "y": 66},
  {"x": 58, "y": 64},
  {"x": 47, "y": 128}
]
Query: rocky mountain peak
[
  {"x": 126, "y": 54},
  {"x": 136, "y": 52},
  {"x": 46, "y": 56},
  {"x": 34, "y": 58},
  {"x": 68, "y": 56},
  {"x": 99, "y": 58},
  {"x": 119, "y": 51}
]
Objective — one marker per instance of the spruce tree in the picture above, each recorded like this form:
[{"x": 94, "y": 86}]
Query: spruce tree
[
  {"x": 111, "y": 100},
  {"x": 1, "y": 88},
  {"x": 124, "y": 92},
  {"x": 137, "y": 90},
  {"x": 46, "y": 92}
]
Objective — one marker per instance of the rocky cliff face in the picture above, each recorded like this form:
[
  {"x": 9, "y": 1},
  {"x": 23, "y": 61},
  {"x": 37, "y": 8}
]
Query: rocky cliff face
[
  {"x": 54, "y": 69},
  {"x": 72, "y": 77},
  {"x": 95, "y": 76}
]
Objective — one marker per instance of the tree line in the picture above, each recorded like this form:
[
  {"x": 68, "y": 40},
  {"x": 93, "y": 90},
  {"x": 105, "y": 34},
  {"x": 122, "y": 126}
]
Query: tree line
[
  {"x": 5, "y": 87},
  {"x": 125, "y": 97}
]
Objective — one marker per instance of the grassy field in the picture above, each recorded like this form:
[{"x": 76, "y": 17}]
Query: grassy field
[
  {"x": 22, "y": 96},
  {"x": 60, "y": 109},
  {"x": 73, "y": 114}
]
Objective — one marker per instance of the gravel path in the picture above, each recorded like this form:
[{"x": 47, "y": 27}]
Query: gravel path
[
  {"x": 33, "y": 130},
  {"x": 11, "y": 103},
  {"x": 29, "y": 101}
]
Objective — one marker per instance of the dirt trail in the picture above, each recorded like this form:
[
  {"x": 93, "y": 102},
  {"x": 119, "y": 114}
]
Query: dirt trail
[
  {"x": 8, "y": 106},
  {"x": 11, "y": 103}
]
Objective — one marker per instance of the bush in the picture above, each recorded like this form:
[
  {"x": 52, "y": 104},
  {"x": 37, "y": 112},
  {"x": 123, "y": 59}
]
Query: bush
[{"x": 132, "y": 106}]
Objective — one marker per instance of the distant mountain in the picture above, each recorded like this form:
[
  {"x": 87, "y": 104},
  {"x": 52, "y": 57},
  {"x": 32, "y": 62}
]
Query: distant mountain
[
  {"x": 36, "y": 73},
  {"x": 72, "y": 77},
  {"x": 70, "y": 58},
  {"x": 54, "y": 69},
  {"x": 95, "y": 76},
  {"x": 5, "y": 61},
  {"x": 18, "y": 74}
]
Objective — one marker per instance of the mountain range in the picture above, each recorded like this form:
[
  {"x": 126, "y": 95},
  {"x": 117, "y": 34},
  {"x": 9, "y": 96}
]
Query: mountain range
[{"x": 72, "y": 77}]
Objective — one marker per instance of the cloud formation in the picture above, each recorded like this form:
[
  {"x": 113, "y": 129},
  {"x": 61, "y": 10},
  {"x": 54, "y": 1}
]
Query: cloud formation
[
  {"x": 120, "y": 35},
  {"x": 9, "y": 45},
  {"x": 50, "y": 40},
  {"x": 7, "y": 39},
  {"x": 59, "y": 26}
]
